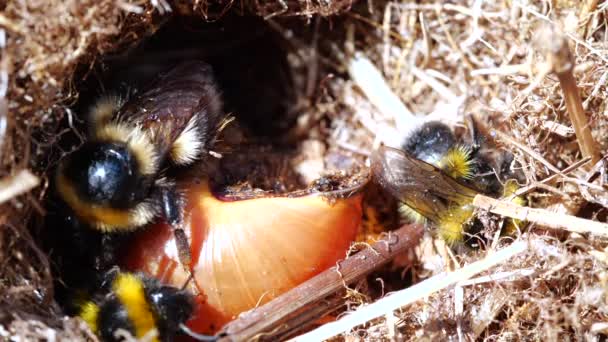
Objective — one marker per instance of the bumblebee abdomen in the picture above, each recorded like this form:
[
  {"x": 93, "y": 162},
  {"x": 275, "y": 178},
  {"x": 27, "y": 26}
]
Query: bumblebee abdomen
[
  {"x": 127, "y": 307},
  {"x": 452, "y": 225},
  {"x": 408, "y": 213},
  {"x": 113, "y": 317},
  {"x": 108, "y": 318},
  {"x": 181, "y": 112}
]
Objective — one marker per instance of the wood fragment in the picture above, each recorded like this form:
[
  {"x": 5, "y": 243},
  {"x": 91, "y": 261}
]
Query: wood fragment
[
  {"x": 437, "y": 86},
  {"x": 557, "y": 128},
  {"x": 371, "y": 81},
  {"x": 412, "y": 294},
  {"x": 503, "y": 70},
  {"x": 300, "y": 307},
  {"x": 15, "y": 185},
  {"x": 559, "y": 56},
  {"x": 551, "y": 179},
  {"x": 541, "y": 217},
  {"x": 585, "y": 14}
]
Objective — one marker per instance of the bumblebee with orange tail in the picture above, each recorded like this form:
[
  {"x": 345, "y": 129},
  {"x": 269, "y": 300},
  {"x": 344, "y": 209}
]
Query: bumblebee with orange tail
[
  {"x": 117, "y": 181},
  {"x": 436, "y": 178}
]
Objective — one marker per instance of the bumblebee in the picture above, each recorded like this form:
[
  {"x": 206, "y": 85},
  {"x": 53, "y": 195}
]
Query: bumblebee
[
  {"x": 139, "y": 306},
  {"x": 117, "y": 181},
  {"x": 436, "y": 178}
]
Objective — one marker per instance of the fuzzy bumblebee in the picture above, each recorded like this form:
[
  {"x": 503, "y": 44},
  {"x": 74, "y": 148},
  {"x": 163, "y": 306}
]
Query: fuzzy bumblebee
[
  {"x": 140, "y": 306},
  {"x": 436, "y": 179},
  {"x": 118, "y": 180}
]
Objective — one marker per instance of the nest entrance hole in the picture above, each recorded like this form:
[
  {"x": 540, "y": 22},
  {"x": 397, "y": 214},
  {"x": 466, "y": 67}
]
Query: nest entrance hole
[{"x": 248, "y": 57}]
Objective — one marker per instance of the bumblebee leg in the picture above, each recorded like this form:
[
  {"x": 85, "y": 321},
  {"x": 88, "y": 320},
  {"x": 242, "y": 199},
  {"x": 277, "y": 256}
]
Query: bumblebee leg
[
  {"x": 172, "y": 210},
  {"x": 197, "y": 336},
  {"x": 109, "y": 245}
]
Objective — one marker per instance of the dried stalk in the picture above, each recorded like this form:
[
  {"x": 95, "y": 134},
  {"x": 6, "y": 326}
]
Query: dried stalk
[
  {"x": 297, "y": 309},
  {"x": 562, "y": 62},
  {"x": 585, "y": 14},
  {"x": 542, "y": 217},
  {"x": 17, "y": 184},
  {"x": 375, "y": 87},
  {"x": 412, "y": 294}
]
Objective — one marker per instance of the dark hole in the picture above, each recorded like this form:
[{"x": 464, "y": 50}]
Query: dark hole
[
  {"x": 248, "y": 58},
  {"x": 250, "y": 64}
]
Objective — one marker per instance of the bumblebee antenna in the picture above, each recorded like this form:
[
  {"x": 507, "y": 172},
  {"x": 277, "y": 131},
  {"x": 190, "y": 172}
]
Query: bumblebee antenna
[{"x": 197, "y": 336}]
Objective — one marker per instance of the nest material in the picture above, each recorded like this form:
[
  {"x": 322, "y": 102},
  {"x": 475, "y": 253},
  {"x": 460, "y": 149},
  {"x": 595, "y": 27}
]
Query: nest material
[
  {"x": 47, "y": 48},
  {"x": 488, "y": 60},
  {"x": 445, "y": 60}
]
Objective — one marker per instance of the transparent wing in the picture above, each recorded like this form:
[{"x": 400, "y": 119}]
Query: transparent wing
[{"x": 419, "y": 185}]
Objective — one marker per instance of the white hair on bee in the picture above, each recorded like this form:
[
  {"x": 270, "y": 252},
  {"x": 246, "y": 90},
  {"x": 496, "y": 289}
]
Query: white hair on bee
[{"x": 188, "y": 145}]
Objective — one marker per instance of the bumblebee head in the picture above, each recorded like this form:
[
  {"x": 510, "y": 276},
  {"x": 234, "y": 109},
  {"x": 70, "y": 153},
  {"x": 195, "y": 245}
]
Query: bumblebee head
[
  {"x": 104, "y": 185},
  {"x": 173, "y": 307}
]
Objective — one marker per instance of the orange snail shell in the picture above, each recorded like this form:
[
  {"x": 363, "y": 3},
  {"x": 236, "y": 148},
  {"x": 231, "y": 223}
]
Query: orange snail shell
[{"x": 247, "y": 252}]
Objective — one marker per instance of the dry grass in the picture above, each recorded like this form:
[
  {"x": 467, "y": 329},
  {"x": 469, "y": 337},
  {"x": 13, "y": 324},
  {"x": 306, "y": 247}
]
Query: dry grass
[
  {"x": 485, "y": 59},
  {"x": 440, "y": 60},
  {"x": 42, "y": 45}
]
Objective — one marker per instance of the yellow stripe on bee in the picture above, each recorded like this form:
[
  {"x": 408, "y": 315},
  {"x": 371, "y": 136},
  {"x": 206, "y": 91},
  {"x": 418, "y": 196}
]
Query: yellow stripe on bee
[
  {"x": 130, "y": 292},
  {"x": 451, "y": 225},
  {"x": 510, "y": 187},
  {"x": 102, "y": 218},
  {"x": 457, "y": 162},
  {"x": 408, "y": 213},
  {"x": 89, "y": 312}
]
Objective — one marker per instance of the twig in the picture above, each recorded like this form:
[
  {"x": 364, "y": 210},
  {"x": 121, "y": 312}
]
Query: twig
[
  {"x": 442, "y": 90},
  {"x": 298, "y": 308},
  {"x": 412, "y": 294},
  {"x": 559, "y": 56},
  {"x": 17, "y": 184},
  {"x": 557, "y": 128},
  {"x": 542, "y": 217},
  {"x": 374, "y": 86},
  {"x": 527, "y": 150},
  {"x": 552, "y": 178},
  {"x": 428, "y": 48},
  {"x": 585, "y": 14},
  {"x": 3, "y": 120},
  {"x": 499, "y": 276},
  {"x": 502, "y": 70}
]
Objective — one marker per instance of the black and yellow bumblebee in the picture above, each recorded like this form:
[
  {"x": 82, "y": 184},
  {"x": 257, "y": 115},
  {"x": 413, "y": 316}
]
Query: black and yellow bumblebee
[
  {"x": 436, "y": 177},
  {"x": 134, "y": 305},
  {"x": 118, "y": 180}
]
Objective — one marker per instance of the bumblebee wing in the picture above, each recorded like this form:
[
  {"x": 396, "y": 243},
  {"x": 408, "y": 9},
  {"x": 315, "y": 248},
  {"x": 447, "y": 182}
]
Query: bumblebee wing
[
  {"x": 181, "y": 111},
  {"x": 420, "y": 185}
]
